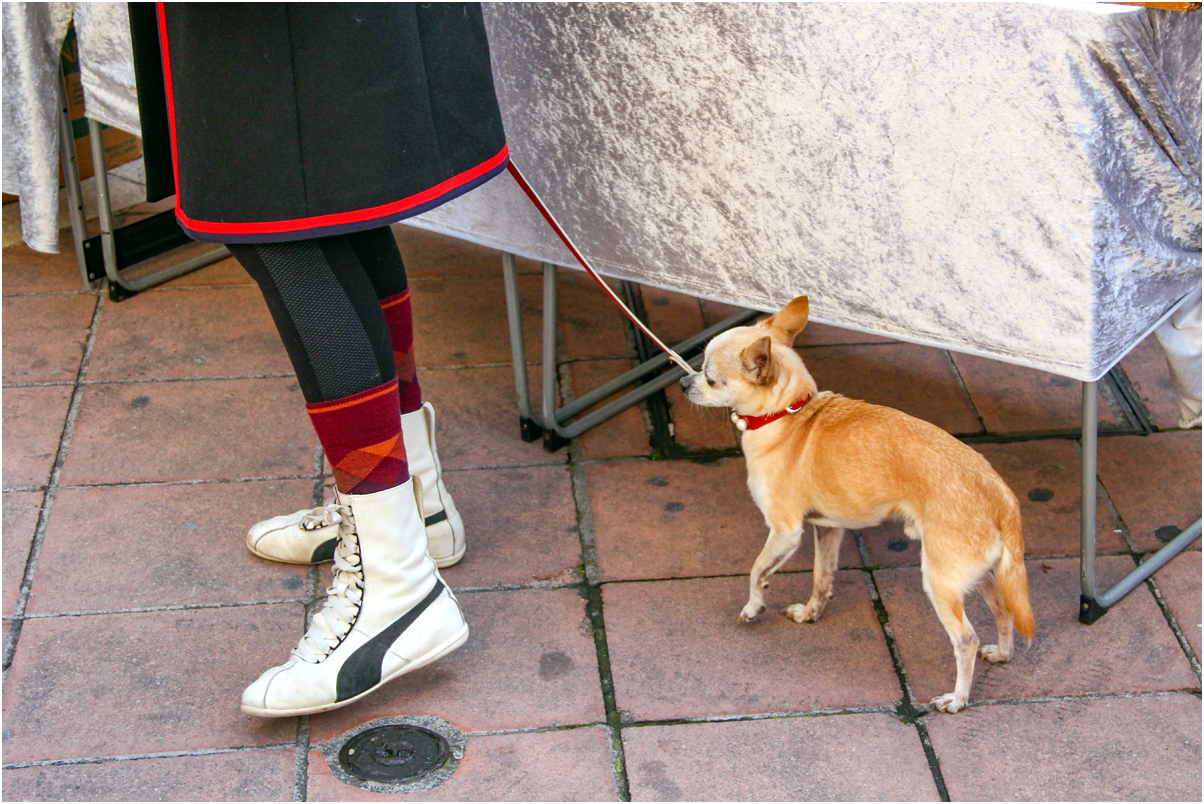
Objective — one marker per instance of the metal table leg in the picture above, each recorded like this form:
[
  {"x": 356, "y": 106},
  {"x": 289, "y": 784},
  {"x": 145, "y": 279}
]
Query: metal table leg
[
  {"x": 528, "y": 426},
  {"x": 75, "y": 196},
  {"x": 553, "y": 439},
  {"x": 108, "y": 244},
  {"x": 555, "y": 423},
  {"x": 79, "y": 222},
  {"x": 1092, "y": 606}
]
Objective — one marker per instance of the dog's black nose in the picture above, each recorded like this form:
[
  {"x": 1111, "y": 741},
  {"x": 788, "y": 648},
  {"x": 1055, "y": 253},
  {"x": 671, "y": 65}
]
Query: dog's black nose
[{"x": 685, "y": 382}]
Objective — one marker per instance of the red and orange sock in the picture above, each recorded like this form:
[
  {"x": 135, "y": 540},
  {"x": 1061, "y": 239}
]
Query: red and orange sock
[
  {"x": 361, "y": 435},
  {"x": 401, "y": 329}
]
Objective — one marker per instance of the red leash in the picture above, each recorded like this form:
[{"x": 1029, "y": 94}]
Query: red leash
[{"x": 518, "y": 177}]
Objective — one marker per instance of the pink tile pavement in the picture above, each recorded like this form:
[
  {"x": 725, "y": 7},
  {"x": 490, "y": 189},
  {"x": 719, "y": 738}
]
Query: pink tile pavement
[
  {"x": 913, "y": 379},
  {"x": 477, "y": 418},
  {"x": 1045, "y": 476},
  {"x": 871, "y": 757},
  {"x": 697, "y": 427},
  {"x": 530, "y": 662},
  {"x": 204, "y": 332},
  {"x": 1179, "y": 582},
  {"x": 1130, "y": 650},
  {"x": 678, "y": 519},
  {"x": 1154, "y": 481},
  {"x": 122, "y": 684},
  {"x": 195, "y": 554},
  {"x": 625, "y": 434},
  {"x": 1015, "y": 399},
  {"x": 29, "y": 271},
  {"x": 233, "y": 776},
  {"x": 48, "y": 344},
  {"x": 200, "y": 429},
  {"x": 33, "y": 426},
  {"x": 678, "y": 651},
  {"x": 461, "y": 320},
  {"x": 672, "y": 316},
  {"x": 1112, "y": 749},
  {"x": 572, "y": 765},
  {"x": 1150, "y": 376},
  {"x": 520, "y": 526},
  {"x": 21, "y": 510},
  {"x": 431, "y": 254},
  {"x": 591, "y": 326}
]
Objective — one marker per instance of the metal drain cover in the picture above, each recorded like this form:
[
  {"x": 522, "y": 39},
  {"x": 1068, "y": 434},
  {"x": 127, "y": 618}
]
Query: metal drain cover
[
  {"x": 398, "y": 754},
  {"x": 392, "y": 754}
]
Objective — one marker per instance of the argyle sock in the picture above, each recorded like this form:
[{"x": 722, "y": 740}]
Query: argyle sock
[
  {"x": 401, "y": 329},
  {"x": 361, "y": 435}
]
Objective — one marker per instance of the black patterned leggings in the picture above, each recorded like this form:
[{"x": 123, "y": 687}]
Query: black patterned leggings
[{"x": 324, "y": 295}]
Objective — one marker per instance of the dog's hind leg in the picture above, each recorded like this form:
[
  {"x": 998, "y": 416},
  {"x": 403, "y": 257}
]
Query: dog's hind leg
[
  {"x": 779, "y": 547},
  {"x": 947, "y": 598},
  {"x": 827, "y": 557},
  {"x": 1000, "y": 653}
]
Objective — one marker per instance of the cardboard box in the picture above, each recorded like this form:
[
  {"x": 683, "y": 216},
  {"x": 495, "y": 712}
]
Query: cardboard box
[{"x": 120, "y": 146}]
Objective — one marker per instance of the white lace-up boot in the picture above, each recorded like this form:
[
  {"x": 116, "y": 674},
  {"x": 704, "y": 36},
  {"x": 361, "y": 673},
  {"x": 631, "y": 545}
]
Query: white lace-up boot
[
  {"x": 388, "y": 611},
  {"x": 308, "y": 536}
]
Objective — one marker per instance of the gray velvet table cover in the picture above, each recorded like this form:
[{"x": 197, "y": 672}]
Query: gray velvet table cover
[
  {"x": 1020, "y": 181},
  {"x": 33, "y": 35}
]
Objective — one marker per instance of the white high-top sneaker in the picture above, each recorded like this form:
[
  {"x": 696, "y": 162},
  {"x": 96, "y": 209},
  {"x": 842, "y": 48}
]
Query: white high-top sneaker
[
  {"x": 308, "y": 536},
  {"x": 387, "y": 613}
]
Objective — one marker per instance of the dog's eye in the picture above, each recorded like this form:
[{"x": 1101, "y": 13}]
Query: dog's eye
[{"x": 710, "y": 382}]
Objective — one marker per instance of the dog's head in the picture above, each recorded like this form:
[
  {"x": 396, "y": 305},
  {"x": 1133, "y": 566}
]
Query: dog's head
[{"x": 754, "y": 370}]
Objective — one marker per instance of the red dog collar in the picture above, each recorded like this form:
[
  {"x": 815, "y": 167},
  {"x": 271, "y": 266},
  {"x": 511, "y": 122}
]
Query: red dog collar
[{"x": 754, "y": 422}]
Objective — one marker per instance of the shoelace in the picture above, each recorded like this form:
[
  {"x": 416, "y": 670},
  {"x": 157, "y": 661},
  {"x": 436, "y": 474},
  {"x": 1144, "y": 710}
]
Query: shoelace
[
  {"x": 328, "y": 514},
  {"x": 331, "y": 624}
]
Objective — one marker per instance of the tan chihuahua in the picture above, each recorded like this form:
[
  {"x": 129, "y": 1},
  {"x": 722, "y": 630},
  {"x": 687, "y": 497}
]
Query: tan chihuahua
[{"x": 841, "y": 463}]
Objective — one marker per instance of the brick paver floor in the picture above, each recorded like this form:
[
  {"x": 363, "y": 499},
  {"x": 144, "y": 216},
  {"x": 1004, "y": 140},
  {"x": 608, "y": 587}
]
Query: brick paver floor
[{"x": 602, "y": 581}]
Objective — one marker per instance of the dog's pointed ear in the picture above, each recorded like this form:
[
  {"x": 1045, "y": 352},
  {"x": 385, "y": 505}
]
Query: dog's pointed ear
[
  {"x": 787, "y": 323},
  {"x": 758, "y": 362}
]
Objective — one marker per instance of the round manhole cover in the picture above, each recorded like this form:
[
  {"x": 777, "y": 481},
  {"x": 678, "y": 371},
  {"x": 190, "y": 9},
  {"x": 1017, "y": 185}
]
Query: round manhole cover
[
  {"x": 392, "y": 754},
  {"x": 406, "y": 754}
]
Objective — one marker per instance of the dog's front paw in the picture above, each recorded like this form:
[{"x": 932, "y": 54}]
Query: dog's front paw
[
  {"x": 948, "y": 703},
  {"x": 801, "y": 613},
  {"x": 751, "y": 611},
  {"x": 993, "y": 654}
]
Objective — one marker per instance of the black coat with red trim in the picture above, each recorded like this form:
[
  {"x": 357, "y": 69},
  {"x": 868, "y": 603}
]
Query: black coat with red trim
[{"x": 297, "y": 120}]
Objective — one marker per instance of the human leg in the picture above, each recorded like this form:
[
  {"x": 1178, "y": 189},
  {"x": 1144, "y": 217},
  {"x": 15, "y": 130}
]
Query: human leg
[
  {"x": 1180, "y": 340},
  {"x": 388, "y": 611},
  {"x": 308, "y": 536},
  {"x": 378, "y": 254}
]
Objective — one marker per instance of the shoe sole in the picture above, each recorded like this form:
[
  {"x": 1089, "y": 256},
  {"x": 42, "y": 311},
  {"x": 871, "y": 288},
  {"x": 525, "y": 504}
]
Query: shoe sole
[
  {"x": 447, "y": 647},
  {"x": 441, "y": 563},
  {"x": 444, "y": 563}
]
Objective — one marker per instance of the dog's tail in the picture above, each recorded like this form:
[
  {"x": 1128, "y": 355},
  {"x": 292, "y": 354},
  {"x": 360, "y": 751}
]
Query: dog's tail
[{"x": 1011, "y": 577}]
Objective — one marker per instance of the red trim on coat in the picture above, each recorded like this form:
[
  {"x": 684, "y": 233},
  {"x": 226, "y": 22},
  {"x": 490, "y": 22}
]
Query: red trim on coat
[
  {"x": 316, "y": 221},
  {"x": 339, "y": 218},
  {"x": 171, "y": 98}
]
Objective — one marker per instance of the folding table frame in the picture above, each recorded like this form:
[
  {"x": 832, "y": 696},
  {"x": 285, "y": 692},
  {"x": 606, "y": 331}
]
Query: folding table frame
[
  {"x": 555, "y": 424},
  {"x": 145, "y": 239},
  {"x": 1092, "y": 604}
]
